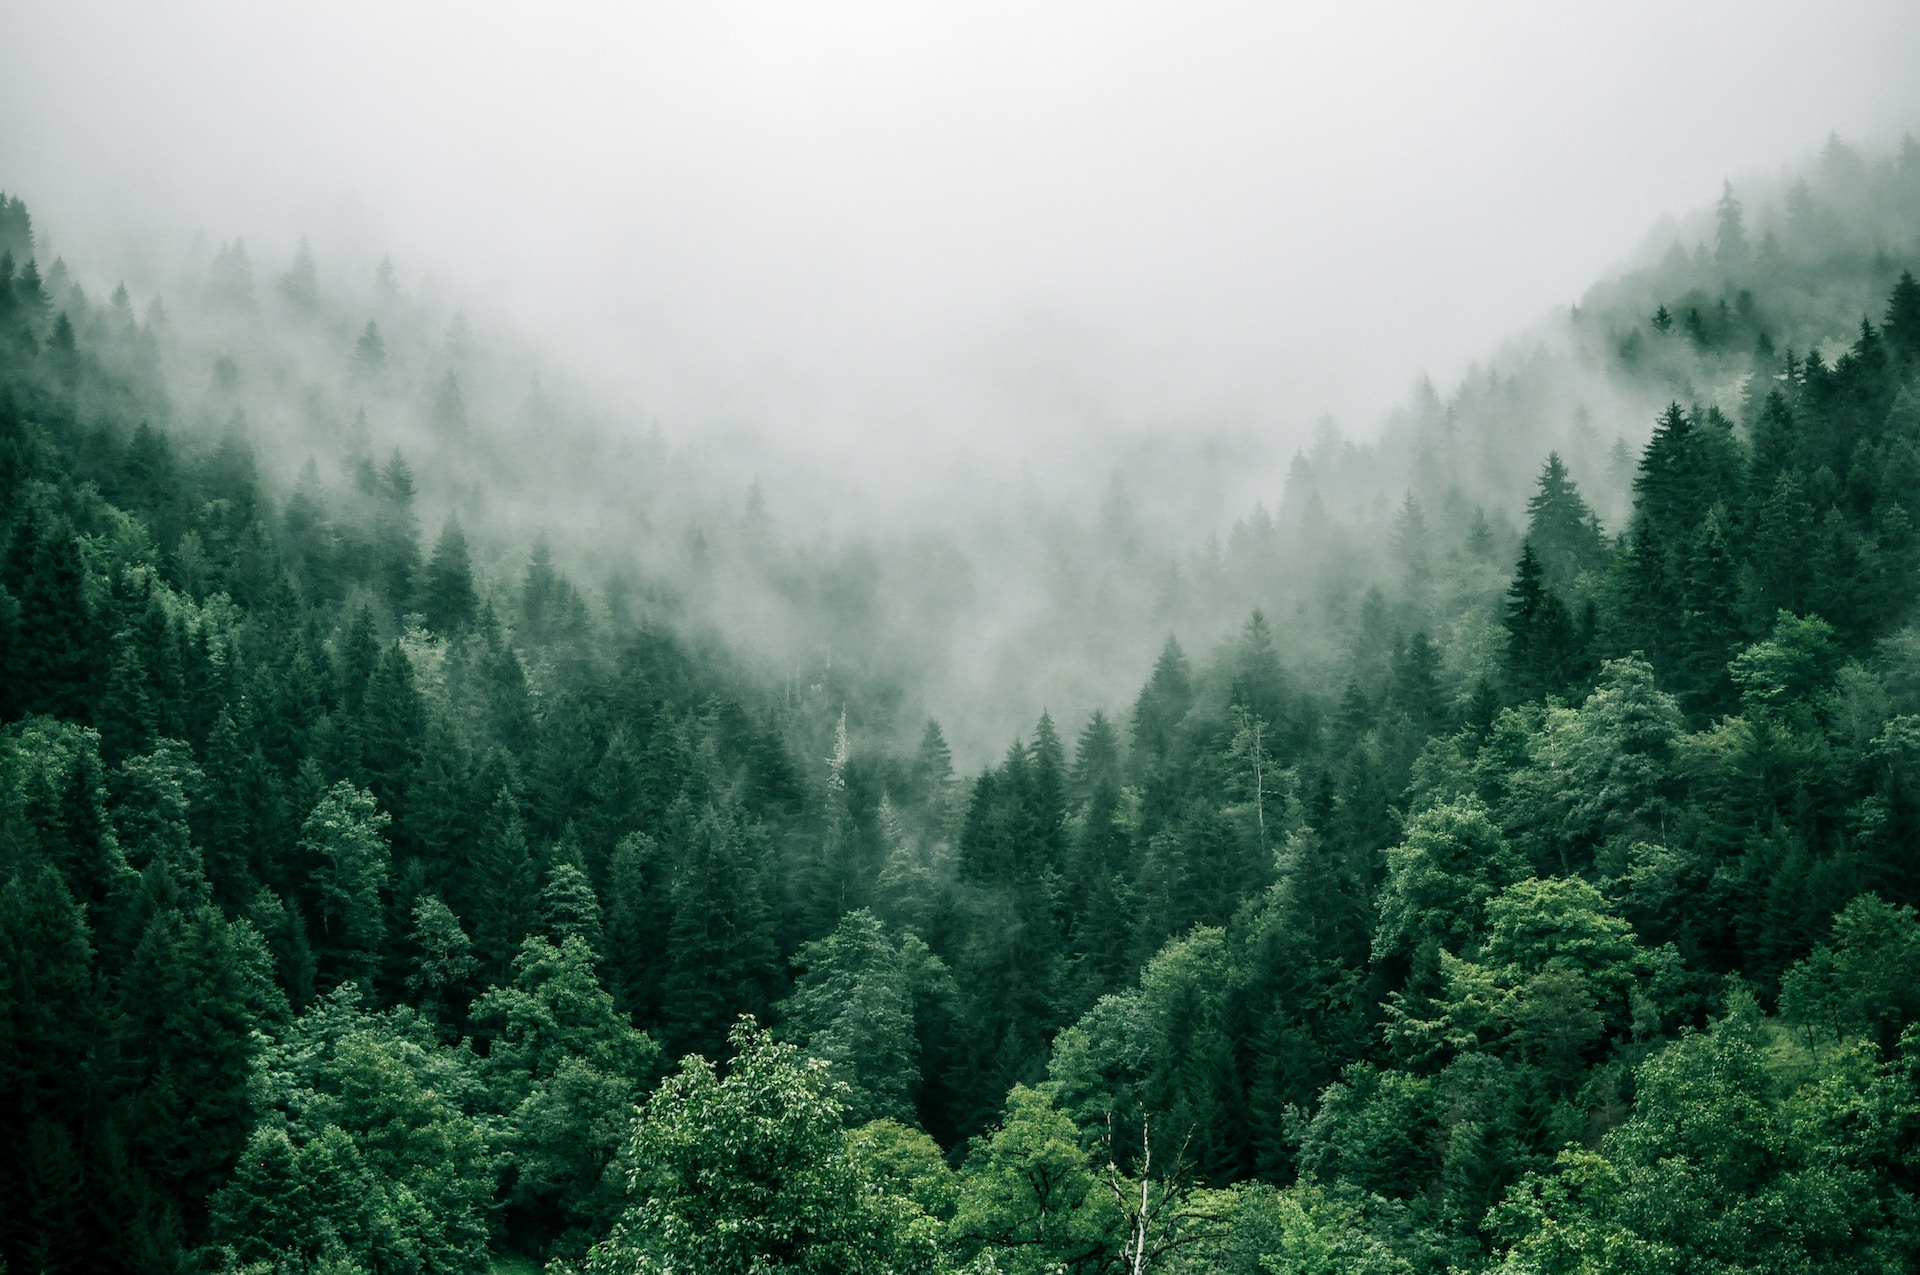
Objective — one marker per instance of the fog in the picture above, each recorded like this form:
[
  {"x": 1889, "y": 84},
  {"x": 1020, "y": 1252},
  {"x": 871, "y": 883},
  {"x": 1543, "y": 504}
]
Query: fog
[
  {"x": 858, "y": 222},
  {"x": 1067, "y": 284}
]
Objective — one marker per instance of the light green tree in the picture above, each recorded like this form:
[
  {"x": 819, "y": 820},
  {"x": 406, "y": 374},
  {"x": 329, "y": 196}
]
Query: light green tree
[
  {"x": 343, "y": 835},
  {"x": 750, "y": 1171}
]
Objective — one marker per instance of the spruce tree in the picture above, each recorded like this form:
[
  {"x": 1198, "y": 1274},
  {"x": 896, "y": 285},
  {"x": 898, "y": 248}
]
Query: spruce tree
[
  {"x": 499, "y": 888},
  {"x": 722, "y": 959},
  {"x": 1563, "y": 531},
  {"x": 1901, "y": 327},
  {"x": 447, "y": 597},
  {"x": 1540, "y": 635},
  {"x": 354, "y": 865},
  {"x": 1163, "y": 703},
  {"x": 50, "y": 1082}
]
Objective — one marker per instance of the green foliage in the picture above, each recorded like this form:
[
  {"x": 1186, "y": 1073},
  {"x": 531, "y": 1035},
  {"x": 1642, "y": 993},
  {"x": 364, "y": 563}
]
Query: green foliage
[
  {"x": 343, "y": 836},
  {"x": 1412, "y": 889},
  {"x": 1439, "y": 880},
  {"x": 1728, "y": 1164},
  {"x": 366, "y": 1158},
  {"x": 1030, "y": 1194},
  {"x": 1867, "y": 982},
  {"x": 752, "y": 1171},
  {"x": 564, "y": 1067},
  {"x": 858, "y": 1003}
]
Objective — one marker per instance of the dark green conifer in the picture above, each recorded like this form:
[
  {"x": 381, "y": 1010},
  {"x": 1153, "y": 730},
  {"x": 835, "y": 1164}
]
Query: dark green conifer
[
  {"x": 447, "y": 597},
  {"x": 1540, "y": 636},
  {"x": 1564, "y": 532}
]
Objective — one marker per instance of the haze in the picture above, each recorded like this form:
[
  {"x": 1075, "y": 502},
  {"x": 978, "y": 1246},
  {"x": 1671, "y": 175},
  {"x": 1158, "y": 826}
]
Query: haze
[{"x": 914, "y": 223}]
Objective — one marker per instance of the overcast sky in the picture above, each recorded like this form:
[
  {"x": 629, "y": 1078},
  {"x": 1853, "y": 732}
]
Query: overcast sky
[{"x": 901, "y": 218}]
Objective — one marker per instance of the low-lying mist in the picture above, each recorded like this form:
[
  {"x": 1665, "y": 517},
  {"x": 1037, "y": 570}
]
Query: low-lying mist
[{"x": 1025, "y": 531}]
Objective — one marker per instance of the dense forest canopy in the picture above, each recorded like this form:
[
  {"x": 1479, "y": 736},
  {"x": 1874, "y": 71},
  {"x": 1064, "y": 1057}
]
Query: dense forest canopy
[{"x": 436, "y": 830}]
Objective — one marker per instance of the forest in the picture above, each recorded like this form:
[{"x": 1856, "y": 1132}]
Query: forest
[{"x": 1508, "y": 862}]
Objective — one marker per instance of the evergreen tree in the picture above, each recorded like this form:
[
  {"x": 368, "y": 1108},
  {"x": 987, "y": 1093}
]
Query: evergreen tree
[
  {"x": 300, "y": 285},
  {"x": 1563, "y": 532},
  {"x": 1901, "y": 327},
  {"x": 343, "y": 835},
  {"x": 1730, "y": 247},
  {"x": 1163, "y": 703},
  {"x": 445, "y": 960},
  {"x": 498, "y": 891},
  {"x": 722, "y": 959},
  {"x": 397, "y": 533},
  {"x": 856, "y": 1003},
  {"x": 1540, "y": 636},
  {"x": 369, "y": 353},
  {"x": 569, "y": 908},
  {"x": 447, "y": 597},
  {"x": 450, "y": 409},
  {"x": 50, "y": 1028}
]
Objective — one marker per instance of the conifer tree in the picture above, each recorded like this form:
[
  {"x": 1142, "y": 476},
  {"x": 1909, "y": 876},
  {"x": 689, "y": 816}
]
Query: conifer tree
[
  {"x": 369, "y": 353},
  {"x": 50, "y": 1027},
  {"x": 722, "y": 960},
  {"x": 1901, "y": 327},
  {"x": 343, "y": 836},
  {"x": 569, "y": 908},
  {"x": 300, "y": 284},
  {"x": 397, "y": 533},
  {"x": 447, "y": 597},
  {"x": 1540, "y": 636},
  {"x": 1163, "y": 702},
  {"x": 449, "y": 415},
  {"x": 445, "y": 957},
  {"x": 500, "y": 886},
  {"x": 1563, "y": 531},
  {"x": 1730, "y": 248}
]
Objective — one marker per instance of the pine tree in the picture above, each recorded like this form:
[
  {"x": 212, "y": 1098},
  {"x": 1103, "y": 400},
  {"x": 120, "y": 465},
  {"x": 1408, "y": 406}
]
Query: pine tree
[
  {"x": 221, "y": 823},
  {"x": 1901, "y": 327},
  {"x": 16, "y": 227},
  {"x": 343, "y": 836},
  {"x": 397, "y": 533},
  {"x": 186, "y": 1051},
  {"x": 231, "y": 277},
  {"x": 722, "y": 959},
  {"x": 300, "y": 285},
  {"x": 442, "y": 805},
  {"x": 639, "y": 915},
  {"x": 1096, "y": 759},
  {"x": 50, "y": 1028},
  {"x": 392, "y": 727},
  {"x": 1049, "y": 780},
  {"x": 447, "y": 597},
  {"x": 1540, "y": 636},
  {"x": 1710, "y": 621},
  {"x": 1416, "y": 683},
  {"x": 1259, "y": 682},
  {"x": 1163, "y": 703},
  {"x": 569, "y": 908},
  {"x": 1564, "y": 532},
  {"x": 1730, "y": 248},
  {"x": 369, "y": 353},
  {"x": 930, "y": 777},
  {"x": 58, "y": 653},
  {"x": 445, "y": 958},
  {"x": 499, "y": 891}
]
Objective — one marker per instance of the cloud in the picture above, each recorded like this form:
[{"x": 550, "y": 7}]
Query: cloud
[{"x": 850, "y": 222}]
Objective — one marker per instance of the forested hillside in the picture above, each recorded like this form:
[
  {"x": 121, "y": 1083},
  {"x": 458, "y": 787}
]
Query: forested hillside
[{"x": 1524, "y": 882}]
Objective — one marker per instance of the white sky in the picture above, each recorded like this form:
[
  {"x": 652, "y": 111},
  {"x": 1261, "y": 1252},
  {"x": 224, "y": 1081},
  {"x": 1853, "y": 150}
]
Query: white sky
[{"x": 848, "y": 220}]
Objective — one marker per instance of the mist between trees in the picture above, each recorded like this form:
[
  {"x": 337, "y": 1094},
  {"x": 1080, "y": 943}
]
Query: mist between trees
[{"x": 1495, "y": 853}]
